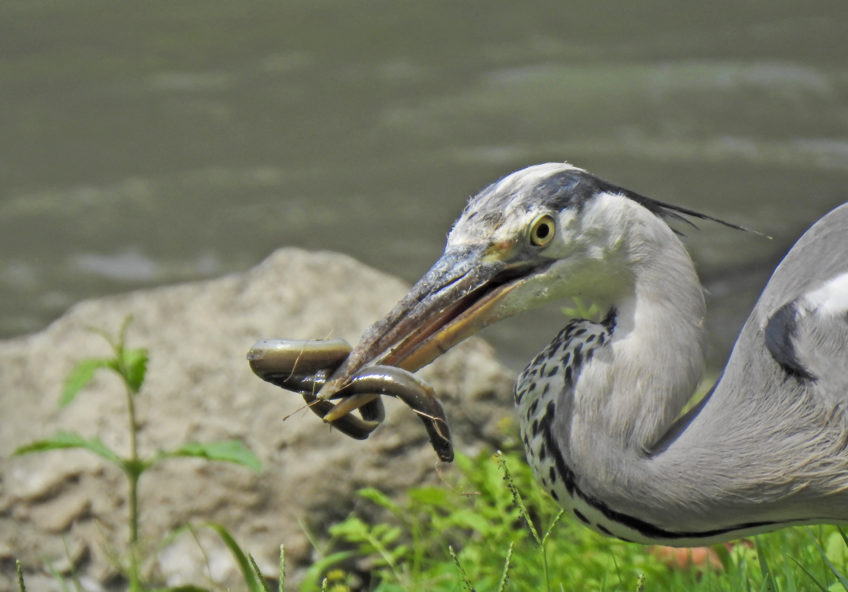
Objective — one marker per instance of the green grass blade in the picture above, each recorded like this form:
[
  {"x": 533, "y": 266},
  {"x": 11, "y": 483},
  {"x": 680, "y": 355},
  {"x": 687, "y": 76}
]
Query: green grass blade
[
  {"x": 233, "y": 451},
  {"x": 469, "y": 587},
  {"x": 58, "y": 578},
  {"x": 20, "y": 568},
  {"x": 842, "y": 580},
  {"x": 505, "y": 573},
  {"x": 254, "y": 583},
  {"x": 63, "y": 440},
  {"x": 809, "y": 575},
  {"x": 553, "y": 525},
  {"x": 256, "y": 573},
  {"x": 516, "y": 496},
  {"x": 282, "y": 569},
  {"x": 768, "y": 579},
  {"x": 723, "y": 554}
]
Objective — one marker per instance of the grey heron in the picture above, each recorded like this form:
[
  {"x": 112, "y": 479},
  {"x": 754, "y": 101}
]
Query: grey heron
[{"x": 601, "y": 408}]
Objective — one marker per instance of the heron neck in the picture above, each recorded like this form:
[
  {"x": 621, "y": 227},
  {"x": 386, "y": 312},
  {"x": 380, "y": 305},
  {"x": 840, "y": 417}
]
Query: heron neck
[
  {"x": 629, "y": 394},
  {"x": 634, "y": 391}
]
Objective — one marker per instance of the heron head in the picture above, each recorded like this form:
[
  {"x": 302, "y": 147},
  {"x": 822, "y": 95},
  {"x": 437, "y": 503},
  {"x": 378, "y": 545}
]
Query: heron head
[{"x": 547, "y": 232}]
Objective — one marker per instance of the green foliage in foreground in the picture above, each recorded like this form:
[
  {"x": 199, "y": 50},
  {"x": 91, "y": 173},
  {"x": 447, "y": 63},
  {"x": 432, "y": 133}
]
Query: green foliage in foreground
[
  {"x": 491, "y": 530},
  {"x": 496, "y": 530},
  {"x": 130, "y": 364}
]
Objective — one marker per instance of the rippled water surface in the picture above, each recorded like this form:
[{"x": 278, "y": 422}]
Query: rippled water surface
[{"x": 146, "y": 143}]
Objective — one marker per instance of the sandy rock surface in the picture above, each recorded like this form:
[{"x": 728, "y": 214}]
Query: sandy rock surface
[{"x": 68, "y": 508}]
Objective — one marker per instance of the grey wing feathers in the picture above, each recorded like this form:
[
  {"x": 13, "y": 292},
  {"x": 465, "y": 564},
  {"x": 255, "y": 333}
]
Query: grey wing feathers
[
  {"x": 811, "y": 344},
  {"x": 781, "y": 333},
  {"x": 804, "y": 308}
]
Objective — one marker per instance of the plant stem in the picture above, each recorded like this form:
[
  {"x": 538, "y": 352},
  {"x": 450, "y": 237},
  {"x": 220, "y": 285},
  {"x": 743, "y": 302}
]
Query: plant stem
[
  {"x": 132, "y": 466},
  {"x": 133, "y": 474}
]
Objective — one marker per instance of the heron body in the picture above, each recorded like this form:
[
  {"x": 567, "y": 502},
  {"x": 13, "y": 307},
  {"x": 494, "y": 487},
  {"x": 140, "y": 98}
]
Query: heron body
[
  {"x": 767, "y": 448},
  {"x": 601, "y": 407}
]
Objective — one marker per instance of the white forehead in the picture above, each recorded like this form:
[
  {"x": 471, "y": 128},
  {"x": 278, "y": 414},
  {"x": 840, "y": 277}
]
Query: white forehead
[
  {"x": 501, "y": 201},
  {"x": 528, "y": 178}
]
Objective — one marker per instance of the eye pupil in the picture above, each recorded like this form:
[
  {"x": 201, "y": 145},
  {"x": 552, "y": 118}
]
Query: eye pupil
[{"x": 542, "y": 231}]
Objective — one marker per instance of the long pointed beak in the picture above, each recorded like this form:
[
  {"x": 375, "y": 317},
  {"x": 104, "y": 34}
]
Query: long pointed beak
[{"x": 456, "y": 298}]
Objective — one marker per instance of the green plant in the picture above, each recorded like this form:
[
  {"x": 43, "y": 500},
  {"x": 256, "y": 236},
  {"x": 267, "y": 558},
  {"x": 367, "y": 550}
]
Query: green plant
[
  {"x": 495, "y": 529},
  {"x": 480, "y": 532},
  {"x": 130, "y": 364},
  {"x": 20, "y": 571}
]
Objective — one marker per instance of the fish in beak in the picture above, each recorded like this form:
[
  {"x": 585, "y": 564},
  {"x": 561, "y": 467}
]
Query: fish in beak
[{"x": 466, "y": 290}]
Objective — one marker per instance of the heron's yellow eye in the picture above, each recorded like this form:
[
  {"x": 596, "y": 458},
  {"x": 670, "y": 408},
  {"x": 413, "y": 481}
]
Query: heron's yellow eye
[{"x": 542, "y": 230}]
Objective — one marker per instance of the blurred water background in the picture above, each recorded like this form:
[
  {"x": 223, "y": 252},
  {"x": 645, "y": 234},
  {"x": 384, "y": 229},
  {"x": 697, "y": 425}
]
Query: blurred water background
[{"x": 144, "y": 143}]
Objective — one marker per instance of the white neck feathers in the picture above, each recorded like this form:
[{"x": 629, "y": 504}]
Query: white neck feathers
[{"x": 635, "y": 389}]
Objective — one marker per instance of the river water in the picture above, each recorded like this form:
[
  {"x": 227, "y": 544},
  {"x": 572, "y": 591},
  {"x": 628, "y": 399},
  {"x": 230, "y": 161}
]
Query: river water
[{"x": 153, "y": 142}]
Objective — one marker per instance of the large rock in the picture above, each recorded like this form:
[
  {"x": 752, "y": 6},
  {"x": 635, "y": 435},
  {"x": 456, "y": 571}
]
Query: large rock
[{"x": 68, "y": 508}]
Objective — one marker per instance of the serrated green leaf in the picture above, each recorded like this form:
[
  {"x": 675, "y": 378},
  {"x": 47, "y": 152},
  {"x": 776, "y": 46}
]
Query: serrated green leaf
[
  {"x": 134, "y": 363},
  {"x": 233, "y": 451},
  {"x": 352, "y": 530},
  {"x": 80, "y": 375},
  {"x": 64, "y": 440},
  {"x": 380, "y": 498},
  {"x": 389, "y": 534}
]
